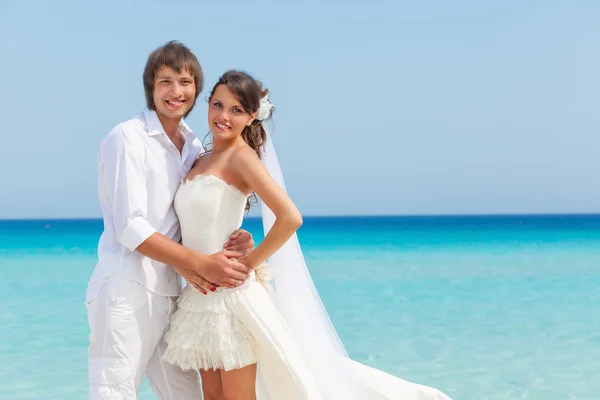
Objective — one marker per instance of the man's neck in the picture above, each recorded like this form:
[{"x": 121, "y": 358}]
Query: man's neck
[{"x": 170, "y": 125}]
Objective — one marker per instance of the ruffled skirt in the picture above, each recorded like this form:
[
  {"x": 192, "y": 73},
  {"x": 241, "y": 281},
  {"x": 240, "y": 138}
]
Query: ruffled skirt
[
  {"x": 205, "y": 333},
  {"x": 233, "y": 328}
]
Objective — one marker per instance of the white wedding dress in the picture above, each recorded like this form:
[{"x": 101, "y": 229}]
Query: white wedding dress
[{"x": 232, "y": 328}]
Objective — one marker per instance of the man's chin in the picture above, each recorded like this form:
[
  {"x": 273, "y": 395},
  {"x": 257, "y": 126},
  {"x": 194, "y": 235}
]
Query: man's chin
[
  {"x": 177, "y": 114},
  {"x": 182, "y": 113}
]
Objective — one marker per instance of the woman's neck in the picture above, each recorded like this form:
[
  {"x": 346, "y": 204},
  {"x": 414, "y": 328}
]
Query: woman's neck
[{"x": 222, "y": 146}]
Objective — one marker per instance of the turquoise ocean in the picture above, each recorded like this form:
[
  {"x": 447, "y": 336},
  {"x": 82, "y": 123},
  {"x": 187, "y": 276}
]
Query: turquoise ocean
[{"x": 481, "y": 307}]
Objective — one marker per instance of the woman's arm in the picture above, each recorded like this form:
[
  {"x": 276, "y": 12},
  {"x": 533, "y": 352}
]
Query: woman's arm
[{"x": 246, "y": 164}]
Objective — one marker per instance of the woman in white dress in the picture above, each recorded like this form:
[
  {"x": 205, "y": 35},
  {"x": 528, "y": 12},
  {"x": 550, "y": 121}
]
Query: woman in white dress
[{"x": 253, "y": 342}]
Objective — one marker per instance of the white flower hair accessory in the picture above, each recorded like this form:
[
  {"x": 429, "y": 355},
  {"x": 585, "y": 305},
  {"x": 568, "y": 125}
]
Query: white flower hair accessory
[{"x": 264, "y": 109}]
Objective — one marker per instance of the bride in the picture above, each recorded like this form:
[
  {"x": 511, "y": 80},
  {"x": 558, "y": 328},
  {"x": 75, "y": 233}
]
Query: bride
[{"x": 256, "y": 341}]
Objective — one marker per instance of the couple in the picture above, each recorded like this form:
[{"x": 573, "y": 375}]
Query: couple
[{"x": 172, "y": 210}]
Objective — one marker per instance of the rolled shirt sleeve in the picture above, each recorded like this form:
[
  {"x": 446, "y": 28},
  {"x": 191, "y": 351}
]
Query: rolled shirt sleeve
[{"x": 124, "y": 173}]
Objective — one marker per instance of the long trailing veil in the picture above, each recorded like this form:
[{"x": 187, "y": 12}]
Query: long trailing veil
[{"x": 297, "y": 299}]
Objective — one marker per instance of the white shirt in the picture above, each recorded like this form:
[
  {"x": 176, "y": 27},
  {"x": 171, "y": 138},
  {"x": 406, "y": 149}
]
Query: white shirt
[{"x": 139, "y": 172}]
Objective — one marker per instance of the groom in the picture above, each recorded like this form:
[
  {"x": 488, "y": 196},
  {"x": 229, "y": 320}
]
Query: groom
[{"x": 132, "y": 291}]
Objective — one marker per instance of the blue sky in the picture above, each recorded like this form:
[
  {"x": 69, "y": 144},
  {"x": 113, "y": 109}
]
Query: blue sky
[{"x": 428, "y": 107}]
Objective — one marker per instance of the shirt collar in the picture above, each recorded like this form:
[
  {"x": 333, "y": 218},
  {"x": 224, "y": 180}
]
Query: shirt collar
[
  {"x": 185, "y": 129},
  {"x": 155, "y": 127}
]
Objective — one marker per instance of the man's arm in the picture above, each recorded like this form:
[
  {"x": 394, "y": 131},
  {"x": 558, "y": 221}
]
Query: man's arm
[
  {"x": 193, "y": 265},
  {"x": 124, "y": 174}
]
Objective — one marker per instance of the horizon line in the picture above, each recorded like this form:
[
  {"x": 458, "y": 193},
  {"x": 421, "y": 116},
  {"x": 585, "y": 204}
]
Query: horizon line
[{"x": 357, "y": 216}]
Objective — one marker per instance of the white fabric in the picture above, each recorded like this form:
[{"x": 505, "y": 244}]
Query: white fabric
[
  {"x": 209, "y": 209},
  {"x": 139, "y": 172},
  {"x": 127, "y": 323},
  {"x": 300, "y": 305},
  {"x": 293, "y": 362},
  {"x": 264, "y": 109},
  {"x": 205, "y": 334}
]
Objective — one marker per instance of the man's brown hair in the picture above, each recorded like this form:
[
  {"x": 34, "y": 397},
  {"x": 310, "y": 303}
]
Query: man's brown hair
[{"x": 177, "y": 56}]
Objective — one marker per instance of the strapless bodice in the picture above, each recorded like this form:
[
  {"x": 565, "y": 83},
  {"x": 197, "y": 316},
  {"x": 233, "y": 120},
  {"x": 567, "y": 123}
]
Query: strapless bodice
[{"x": 209, "y": 211}]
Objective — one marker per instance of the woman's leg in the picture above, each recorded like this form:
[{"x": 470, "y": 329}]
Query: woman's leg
[
  {"x": 211, "y": 385},
  {"x": 239, "y": 384}
]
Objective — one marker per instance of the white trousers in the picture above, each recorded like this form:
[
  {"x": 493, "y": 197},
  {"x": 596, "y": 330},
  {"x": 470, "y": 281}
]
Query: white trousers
[{"x": 127, "y": 324}]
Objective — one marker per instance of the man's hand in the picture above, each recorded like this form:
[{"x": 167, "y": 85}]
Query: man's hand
[
  {"x": 200, "y": 270},
  {"x": 240, "y": 244},
  {"x": 222, "y": 269},
  {"x": 246, "y": 261},
  {"x": 219, "y": 269}
]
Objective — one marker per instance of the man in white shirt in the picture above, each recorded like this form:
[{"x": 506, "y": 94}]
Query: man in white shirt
[{"x": 133, "y": 289}]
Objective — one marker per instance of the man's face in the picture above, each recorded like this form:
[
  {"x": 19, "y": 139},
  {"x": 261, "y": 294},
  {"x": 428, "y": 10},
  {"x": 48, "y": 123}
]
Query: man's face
[{"x": 174, "y": 93}]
